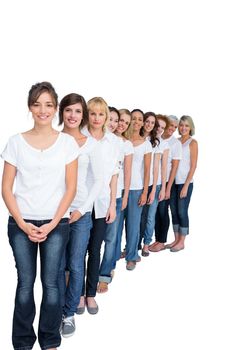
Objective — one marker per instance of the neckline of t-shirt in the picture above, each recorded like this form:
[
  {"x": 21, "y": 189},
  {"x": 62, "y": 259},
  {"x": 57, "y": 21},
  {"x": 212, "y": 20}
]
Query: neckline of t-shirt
[
  {"x": 141, "y": 143},
  {"x": 39, "y": 149}
]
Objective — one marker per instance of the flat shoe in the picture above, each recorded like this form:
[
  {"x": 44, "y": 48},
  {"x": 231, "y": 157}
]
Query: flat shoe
[
  {"x": 174, "y": 250},
  {"x": 145, "y": 253},
  {"x": 80, "y": 310},
  {"x": 92, "y": 310},
  {"x": 130, "y": 266},
  {"x": 156, "y": 248},
  {"x": 102, "y": 287}
]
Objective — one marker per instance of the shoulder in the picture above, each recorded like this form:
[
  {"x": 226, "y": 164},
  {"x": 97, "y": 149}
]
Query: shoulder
[{"x": 193, "y": 143}]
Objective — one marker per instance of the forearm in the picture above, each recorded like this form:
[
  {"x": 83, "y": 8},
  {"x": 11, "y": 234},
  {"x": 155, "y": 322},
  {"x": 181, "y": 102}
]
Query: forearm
[
  {"x": 113, "y": 188},
  {"x": 173, "y": 172},
  {"x": 12, "y": 206}
]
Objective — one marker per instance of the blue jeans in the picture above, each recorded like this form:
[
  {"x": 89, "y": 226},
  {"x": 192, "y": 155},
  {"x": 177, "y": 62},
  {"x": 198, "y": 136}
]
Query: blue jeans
[
  {"x": 179, "y": 209},
  {"x": 73, "y": 261},
  {"x": 133, "y": 219},
  {"x": 108, "y": 260},
  {"x": 122, "y": 217},
  {"x": 148, "y": 218},
  {"x": 25, "y": 254}
]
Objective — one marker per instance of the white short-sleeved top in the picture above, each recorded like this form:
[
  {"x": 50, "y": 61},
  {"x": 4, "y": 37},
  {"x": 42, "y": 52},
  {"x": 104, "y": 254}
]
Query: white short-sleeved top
[
  {"x": 110, "y": 146},
  {"x": 40, "y": 176},
  {"x": 162, "y": 147},
  {"x": 175, "y": 152},
  {"x": 127, "y": 149},
  {"x": 89, "y": 166},
  {"x": 137, "y": 176},
  {"x": 184, "y": 164},
  {"x": 155, "y": 150}
]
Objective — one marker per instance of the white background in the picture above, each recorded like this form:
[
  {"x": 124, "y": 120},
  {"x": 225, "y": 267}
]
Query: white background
[{"x": 171, "y": 57}]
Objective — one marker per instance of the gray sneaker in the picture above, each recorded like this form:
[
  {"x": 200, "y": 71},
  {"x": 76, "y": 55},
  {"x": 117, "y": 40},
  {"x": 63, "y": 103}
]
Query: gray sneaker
[{"x": 68, "y": 327}]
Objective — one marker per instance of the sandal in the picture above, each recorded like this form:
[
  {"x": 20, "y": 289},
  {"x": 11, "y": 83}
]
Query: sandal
[{"x": 102, "y": 287}]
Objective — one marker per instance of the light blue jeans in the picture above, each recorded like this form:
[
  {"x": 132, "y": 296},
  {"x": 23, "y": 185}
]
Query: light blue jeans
[
  {"x": 133, "y": 219},
  {"x": 73, "y": 261},
  {"x": 108, "y": 260},
  {"x": 148, "y": 218}
]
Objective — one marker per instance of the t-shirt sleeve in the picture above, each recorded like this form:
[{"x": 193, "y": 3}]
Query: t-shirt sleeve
[
  {"x": 148, "y": 147},
  {"x": 128, "y": 148},
  {"x": 177, "y": 150},
  {"x": 72, "y": 149},
  {"x": 9, "y": 153}
]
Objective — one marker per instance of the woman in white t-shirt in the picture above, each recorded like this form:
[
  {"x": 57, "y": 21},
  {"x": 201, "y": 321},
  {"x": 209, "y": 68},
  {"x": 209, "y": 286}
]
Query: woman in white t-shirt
[
  {"x": 140, "y": 177},
  {"x": 73, "y": 113},
  {"x": 43, "y": 162},
  {"x": 184, "y": 182},
  {"x": 104, "y": 211},
  {"x": 162, "y": 221},
  {"x": 112, "y": 240},
  {"x": 155, "y": 193}
]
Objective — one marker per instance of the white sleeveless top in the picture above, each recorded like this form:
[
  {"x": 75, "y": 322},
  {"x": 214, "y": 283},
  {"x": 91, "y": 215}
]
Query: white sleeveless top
[{"x": 184, "y": 164}]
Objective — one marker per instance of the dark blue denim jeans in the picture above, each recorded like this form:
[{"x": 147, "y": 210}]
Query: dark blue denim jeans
[
  {"x": 25, "y": 254},
  {"x": 73, "y": 260},
  {"x": 179, "y": 209},
  {"x": 108, "y": 260}
]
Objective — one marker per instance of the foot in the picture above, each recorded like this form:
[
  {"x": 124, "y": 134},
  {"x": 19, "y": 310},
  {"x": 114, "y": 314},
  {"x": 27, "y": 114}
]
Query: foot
[
  {"x": 81, "y": 306},
  {"x": 102, "y": 287},
  {"x": 177, "y": 248},
  {"x": 68, "y": 327},
  {"x": 170, "y": 245},
  {"x": 153, "y": 245},
  {"x": 145, "y": 250},
  {"x": 130, "y": 265},
  {"x": 157, "y": 247},
  {"x": 92, "y": 306}
]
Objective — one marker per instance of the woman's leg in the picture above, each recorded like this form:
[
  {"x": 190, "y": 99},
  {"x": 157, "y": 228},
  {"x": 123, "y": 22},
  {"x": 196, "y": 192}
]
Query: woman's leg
[
  {"x": 25, "y": 254},
  {"x": 51, "y": 252}
]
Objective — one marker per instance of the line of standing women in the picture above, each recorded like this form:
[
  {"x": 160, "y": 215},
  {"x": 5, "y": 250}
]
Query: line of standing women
[{"x": 126, "y": 170}]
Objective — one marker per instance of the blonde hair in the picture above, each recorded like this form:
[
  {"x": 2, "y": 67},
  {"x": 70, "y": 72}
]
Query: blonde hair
[
  {"x": 187, "y": 118},
  {"x": 127, "y": 133},
  {"x": 102, "y": 104}
]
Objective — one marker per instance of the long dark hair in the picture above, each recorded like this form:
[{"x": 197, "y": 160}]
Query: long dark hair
[
  {"x": 70, "y": 100},
  {"x": 153, "y": 138}
]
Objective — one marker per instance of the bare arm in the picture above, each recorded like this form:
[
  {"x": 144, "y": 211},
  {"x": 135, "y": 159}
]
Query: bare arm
[
  {"x": 163, "y": 174},
  {"x": 157, "y": 158},
  {"x": 147, "y": 161},
  {"x": 175, "y": 164},
  {"x": 193, "y": 164},
  {"x": 127, "y": 178},
  {"x": 111, "y": 213}
]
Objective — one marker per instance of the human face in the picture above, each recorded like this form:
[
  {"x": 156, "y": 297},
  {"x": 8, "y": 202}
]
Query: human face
[
  {"x": 43, "y": 110},
  {"x": 184, "y": 128},
  {"x": 113, "y": 121},
  {"x": 137, "y": 121},
  {"x": 97, "y": 117},
  {"x": 149, "y": 124},
  {"x": 72, "y": 115},
  {"x": 171, "y": 128},
  {"x": 123, "y": 123},
  {"x": 161, "y": 127}
]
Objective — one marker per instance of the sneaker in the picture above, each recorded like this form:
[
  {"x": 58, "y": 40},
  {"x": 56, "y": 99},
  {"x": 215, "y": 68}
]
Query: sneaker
[{"x": 68, "y": 327}]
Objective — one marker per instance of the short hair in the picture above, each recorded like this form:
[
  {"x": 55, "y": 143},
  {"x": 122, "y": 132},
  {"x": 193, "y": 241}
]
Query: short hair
[
  {"x": 99, "y": 101},
  {"x": 38, "y": 89},
  {"x": 190, "y": 123},
  {"x": 72, "y": 99},
  {"x": 173, "y": 118}
]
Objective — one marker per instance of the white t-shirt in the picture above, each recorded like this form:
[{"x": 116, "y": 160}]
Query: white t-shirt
[
  {"x": 175, "y": 152},
  {"x": 110, "y": 146},
  {"x": 127, "y": 149},
  {"x": 184, "y": 164},
  {"x": 163, "y": 146},
  {"x": 137, "y": 176},
  {"x": 89, "y": 166},
  {"x": 40, "y": 176},
  {"x": 155, "y": 150}
]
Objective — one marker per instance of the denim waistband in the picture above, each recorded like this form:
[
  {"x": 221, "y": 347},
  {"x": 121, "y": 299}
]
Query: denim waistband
[{"x": 38, "y": 222}]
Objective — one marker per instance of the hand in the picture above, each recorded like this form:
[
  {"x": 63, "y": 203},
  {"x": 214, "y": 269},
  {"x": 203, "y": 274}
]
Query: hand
[
  {"x": 167, "y": 193},
  {"x": 33, "y": 233},
  {"x": 183, "y": 192},
  {"x": 124, "y": 202},
  {"x": 142, "y": 199},
  {"x": 151, "y": 198},
  {"x": 75, "y": 216},
  {"x": 111, "y": 214},
  {"x": 161, "y": 195}
]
